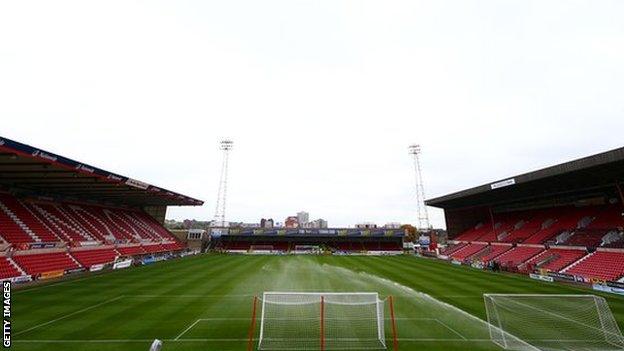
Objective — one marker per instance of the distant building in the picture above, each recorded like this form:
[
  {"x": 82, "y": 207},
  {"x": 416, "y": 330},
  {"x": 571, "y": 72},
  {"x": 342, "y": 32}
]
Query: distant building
[
  {"x": 392, "y": 225},
  {"x": 291, "y": 222},
  {"x": 220, "y": 224},
  {"x": 266, "y": 223},
  {"x": 303, "y": 218},
  {"x": 195, "y": 234},
  {"x": 366, "y": 225},
  {"x": 317, "y": 224}
]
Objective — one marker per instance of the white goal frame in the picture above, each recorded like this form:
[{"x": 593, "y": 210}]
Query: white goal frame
[
  {"x": 322, "y": 298},
  {"x": 605, "y": 330}
]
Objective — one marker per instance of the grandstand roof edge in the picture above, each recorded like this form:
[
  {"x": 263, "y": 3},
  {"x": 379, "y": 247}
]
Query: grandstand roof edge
[
  {"x": 79, "y": 168},
  {"x": 602, "y": 158}
]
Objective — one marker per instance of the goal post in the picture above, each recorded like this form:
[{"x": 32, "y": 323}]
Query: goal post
[
  {"x": 321, "y": 321},
  {"x": 552, "y": 322}
]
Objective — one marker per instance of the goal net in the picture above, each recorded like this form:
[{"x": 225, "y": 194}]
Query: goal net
[
  {"x": 552, "y": 322},
  {"x": 321, "y": 321}
]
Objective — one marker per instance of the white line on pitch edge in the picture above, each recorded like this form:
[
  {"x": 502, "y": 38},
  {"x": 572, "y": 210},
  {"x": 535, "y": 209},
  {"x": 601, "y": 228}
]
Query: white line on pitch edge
[
  {"x": 69, "y": 315},
  {"x": 187, "y": 329}
]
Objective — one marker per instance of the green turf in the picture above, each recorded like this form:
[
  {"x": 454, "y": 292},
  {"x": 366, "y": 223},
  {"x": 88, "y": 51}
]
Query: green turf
[{"x": 204, "y": 302}]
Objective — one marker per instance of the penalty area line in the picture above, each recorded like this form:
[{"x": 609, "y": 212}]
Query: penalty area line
[{"x": 187, "y": 329}]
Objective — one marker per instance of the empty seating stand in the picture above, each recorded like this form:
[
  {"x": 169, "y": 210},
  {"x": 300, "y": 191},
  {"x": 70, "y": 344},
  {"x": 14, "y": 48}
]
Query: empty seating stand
[
  {"x": 236, "y": 245},
  {"x": 493, "y": 251},
  {"x": 475, "y": 233},
  {"x": 526, "y": 226},
  {"x": 130, "y": 250},
  {"x": 518, "y": 255},
  {"x": 154, "y": 248},
  {"x": 39, "y": 263},
  {"x": 452, "y": 248},
  {"x": 24, "y": 221},
  {"x": 586, "y": 237},
  {"x": 600, "y": 265},
  {"x": 174, "y": 246},
  {"x": 31, "y": 224},
  {"x": 467, "y": 251},
  {"x": 7, "y": 269},
  {"x": 11, "y": 232},
  {"x": 87, "y": 258},
  {"x": 380, "y": 246},
  {"x": 556, "y": 259}
]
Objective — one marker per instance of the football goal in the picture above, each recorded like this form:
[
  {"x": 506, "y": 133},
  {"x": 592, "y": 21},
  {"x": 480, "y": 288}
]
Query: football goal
[
  {"x": 322, "y": 321},
  {"x": 552, "y": 322}
]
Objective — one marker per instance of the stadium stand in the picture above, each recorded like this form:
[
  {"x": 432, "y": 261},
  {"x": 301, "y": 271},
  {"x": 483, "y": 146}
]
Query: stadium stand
[
  {"x": 12, "y": 232},
  {"x": 8, "y": 269},
  {"x": 30, "y": 221},
  {"x": 130, "y": 250},
  {"x": 27, "y": 221},
  {"x": 524, "y": 228},
  {"x": 476, "y": 232},
  {"x": 452, "y": 248},
  {"x": 602, "y": 265},
  {"x": 492, "y": 252},
  {"x": 87, "y": 258},
  {"x": 555, "y": 259},
  {"x": 45, "y": 262},
  {"x": 518, "y": 255},
  {"x": 58, "y": 215},
  {"x": 467, "y": 251},
  {"x": 154, "y": 248},
  {"x": 381, "y": 246},
  {"x": 340, "y": 240},
  {"x": 566, "y": 219}
]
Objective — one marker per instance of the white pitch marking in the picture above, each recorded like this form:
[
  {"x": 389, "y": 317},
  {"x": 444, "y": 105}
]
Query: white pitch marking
[
  {"x": 69, "y": 315},
  {"x": 187, "y": 329},
  {"x": 451, "y": 329}
]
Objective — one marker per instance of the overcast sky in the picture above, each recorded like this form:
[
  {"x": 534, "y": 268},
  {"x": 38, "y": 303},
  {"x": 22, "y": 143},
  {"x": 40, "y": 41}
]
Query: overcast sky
[{"x": 321, "y": 98}]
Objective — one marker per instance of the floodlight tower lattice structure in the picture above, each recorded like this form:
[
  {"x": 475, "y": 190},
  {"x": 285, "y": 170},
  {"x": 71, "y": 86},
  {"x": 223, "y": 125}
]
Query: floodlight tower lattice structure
[
  {"x": 421, "y": 208},
  {"x": 219, "y": 216}
]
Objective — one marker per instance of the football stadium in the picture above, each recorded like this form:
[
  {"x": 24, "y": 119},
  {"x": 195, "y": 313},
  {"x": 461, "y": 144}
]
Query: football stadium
[
  {"x": 532, "y": 262},
  {"x": 244, "y": 175}
]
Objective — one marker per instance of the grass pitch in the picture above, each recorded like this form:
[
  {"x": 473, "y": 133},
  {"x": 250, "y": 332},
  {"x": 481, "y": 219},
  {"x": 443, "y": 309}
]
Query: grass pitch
[{"x": 204, "y": 302}]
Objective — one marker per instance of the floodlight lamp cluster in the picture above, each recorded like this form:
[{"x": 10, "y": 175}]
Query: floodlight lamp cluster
[
  {"x": 226, "y": 144},
  {"x": 414, "y": 149}
]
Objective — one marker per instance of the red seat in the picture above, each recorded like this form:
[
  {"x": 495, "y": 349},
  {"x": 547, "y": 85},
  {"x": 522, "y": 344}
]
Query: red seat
[
  {"x": 518, "y": 255},
  {"x": 39, "y": 263},
  {"x": 467, "y": 251},
  {"x": 600, "y": 265},
  {"x": 131, "y": 250},
  {"x": 556, "y": 259},
  {"x": 27, "y": 221},
  {"x": 87, "y": 258},
  {"x": 8, "y": 270}
]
